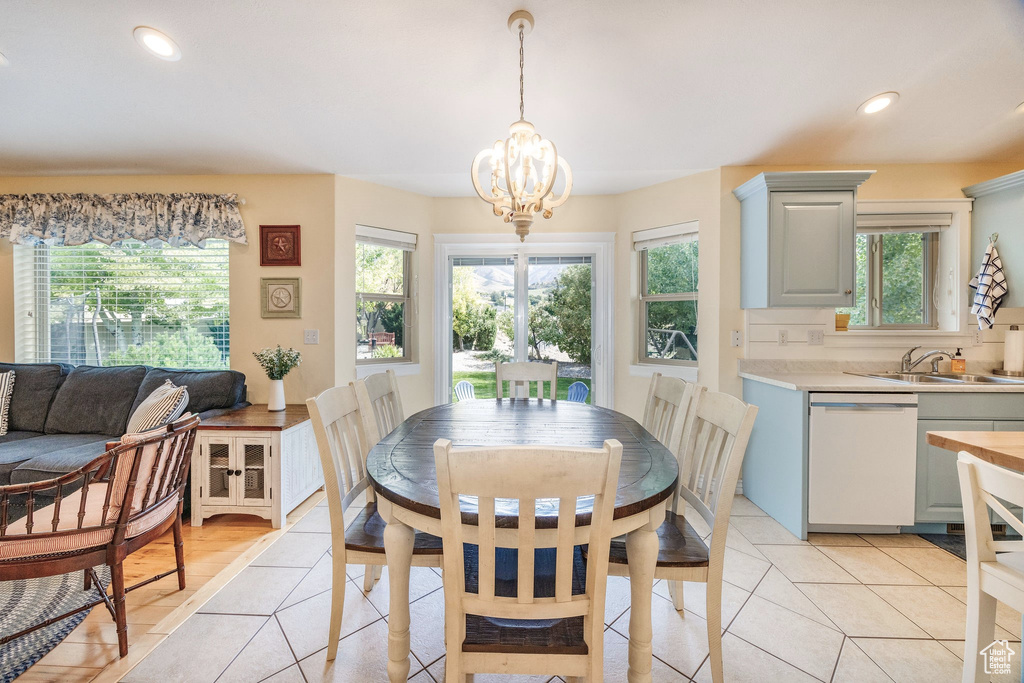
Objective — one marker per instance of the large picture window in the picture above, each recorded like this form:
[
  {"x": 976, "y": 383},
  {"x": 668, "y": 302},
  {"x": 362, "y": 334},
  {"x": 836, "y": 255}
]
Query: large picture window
[
  {"x": 895, "y": 276},
  {"x": 668, "y": 258},
  {"x": 130, "y": 304},
  {"x": 383, "y": 295}
]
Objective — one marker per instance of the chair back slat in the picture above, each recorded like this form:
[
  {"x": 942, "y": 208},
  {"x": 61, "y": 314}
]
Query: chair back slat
[
  {"x": 519, "y": 375},
  {"x": 669, "y": 408},
  {"x": 526, "y": 474},
  {"x": 984, "y": 486},
  {"x": 380, "y": 402},
  {"x": 710, "y": 461}
]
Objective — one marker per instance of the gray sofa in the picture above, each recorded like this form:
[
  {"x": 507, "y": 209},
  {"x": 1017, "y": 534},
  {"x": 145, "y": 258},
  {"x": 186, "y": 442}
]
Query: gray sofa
[{"x": 61, "y": 417}]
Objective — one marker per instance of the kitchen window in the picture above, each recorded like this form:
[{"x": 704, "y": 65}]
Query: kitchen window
[
  {"x": 131, "y": 303},
  {"x": 668, "y": 268},
  {"x": 896, "y": 270},
  {"x": 383, "y": 295}
]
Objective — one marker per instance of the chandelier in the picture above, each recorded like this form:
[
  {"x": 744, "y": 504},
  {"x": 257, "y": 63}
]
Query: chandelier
[{"x": 523, "y": 168}]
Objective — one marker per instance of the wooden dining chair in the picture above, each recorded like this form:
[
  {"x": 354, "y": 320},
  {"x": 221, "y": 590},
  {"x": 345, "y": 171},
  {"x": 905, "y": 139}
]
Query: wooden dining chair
[
  {"x": 380, "y": 402},
  {"x": 670, "y": 404},
  {"x": 995, "y": 569},
  {"x": 709, "y": 467},
  {"x": 519, "y": 376},
  {"x": 540, "y": 624},
  {"x": 344, "y": 439}
]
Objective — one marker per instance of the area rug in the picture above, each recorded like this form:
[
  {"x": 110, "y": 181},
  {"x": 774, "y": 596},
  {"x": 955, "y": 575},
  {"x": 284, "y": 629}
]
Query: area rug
[
  {"x": 30, "y": 601},
  {"x": 957, "y": 543}
]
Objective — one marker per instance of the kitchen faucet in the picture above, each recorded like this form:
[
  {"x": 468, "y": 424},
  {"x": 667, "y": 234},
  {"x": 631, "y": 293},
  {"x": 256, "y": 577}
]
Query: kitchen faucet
[{"x": 908, "y": 364}]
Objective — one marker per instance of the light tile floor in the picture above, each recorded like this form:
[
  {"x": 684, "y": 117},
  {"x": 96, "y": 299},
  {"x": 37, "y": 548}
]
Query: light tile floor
[{"x": 836, "y": 608}]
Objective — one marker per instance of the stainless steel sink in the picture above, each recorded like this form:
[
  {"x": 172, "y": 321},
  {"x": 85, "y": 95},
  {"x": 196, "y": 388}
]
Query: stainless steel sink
[{"x": 938, "y": 378}]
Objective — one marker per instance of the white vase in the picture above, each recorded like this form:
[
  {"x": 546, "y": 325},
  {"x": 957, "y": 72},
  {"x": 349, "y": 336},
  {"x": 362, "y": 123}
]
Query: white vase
[{"x": 275, "y": 401}]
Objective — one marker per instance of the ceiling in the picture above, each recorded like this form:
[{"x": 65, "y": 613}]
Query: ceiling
[{"x": 406, "y": 92}]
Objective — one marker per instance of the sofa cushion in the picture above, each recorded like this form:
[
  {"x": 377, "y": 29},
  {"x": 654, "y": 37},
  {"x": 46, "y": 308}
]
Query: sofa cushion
[
  {"x": 33, "y": 392},
  {"x": 6, "y": 389},
  {"x": 67, "y": 457},
  {"x": 95, "y": 400},
  {"x": 11, "y": 437},
  {"x": 207, "y": 389}
]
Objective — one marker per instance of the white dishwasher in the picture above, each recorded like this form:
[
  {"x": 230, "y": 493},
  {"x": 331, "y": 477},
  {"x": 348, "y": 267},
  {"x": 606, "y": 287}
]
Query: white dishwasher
[{"x": 862, "y": 461}]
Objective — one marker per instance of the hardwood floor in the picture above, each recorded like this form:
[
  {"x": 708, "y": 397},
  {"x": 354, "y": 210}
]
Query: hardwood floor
[{"x": 214, "y": 553}]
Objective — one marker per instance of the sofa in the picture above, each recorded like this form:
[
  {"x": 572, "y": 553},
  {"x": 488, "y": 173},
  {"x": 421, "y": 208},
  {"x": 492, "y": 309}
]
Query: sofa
[{"x": 62, "y": 416}]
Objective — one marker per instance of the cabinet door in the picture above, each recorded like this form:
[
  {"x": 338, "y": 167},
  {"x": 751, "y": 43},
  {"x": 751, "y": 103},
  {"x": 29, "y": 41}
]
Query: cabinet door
[
  {"x": 812, "y": 237},
  {"x": 938, "y": 485},
  {"x": 218, "y": 465},
  {"x": 253, "y": 485},
  {"x": 1008, "y": 426}
]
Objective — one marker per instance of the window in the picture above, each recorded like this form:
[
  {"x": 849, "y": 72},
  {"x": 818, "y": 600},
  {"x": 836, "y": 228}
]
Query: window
[
  {"x": 668, "y": 293},
  {"x": 897, "y": 260},
  {"x": 131, "y": 304},
  {"x": 383, "y": 295}
]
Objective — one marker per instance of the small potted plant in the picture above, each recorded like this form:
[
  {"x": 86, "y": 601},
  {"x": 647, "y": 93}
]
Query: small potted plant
[{"x": 277, "y": 363}]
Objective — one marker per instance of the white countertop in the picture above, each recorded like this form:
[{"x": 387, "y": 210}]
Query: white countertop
[{"x": 841, "y": 381}]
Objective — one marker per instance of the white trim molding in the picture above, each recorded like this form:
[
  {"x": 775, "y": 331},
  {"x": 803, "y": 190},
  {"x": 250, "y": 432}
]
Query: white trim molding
[
  {"x": 600, "y": 246},
  {"x": 401, "y": 369}
]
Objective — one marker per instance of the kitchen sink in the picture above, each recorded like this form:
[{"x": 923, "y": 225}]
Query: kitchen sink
[{"x": 938, "y": 378}]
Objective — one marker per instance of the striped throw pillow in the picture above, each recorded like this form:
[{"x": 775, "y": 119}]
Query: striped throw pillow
[
  {"x": 164, "y": 405},
  {"x": 6, "y": 391}
]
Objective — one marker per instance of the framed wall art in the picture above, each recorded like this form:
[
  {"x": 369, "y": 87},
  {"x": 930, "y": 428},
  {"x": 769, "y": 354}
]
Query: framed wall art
[
  {"x": 280, "y": 245},
  {"x": 281, "y": 297}
]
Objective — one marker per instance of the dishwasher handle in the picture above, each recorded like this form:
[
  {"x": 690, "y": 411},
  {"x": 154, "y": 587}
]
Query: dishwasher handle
[{"x": 862, "y": 406}]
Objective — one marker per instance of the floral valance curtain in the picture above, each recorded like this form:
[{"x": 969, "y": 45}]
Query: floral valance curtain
[{"x": 70, "y": 219}]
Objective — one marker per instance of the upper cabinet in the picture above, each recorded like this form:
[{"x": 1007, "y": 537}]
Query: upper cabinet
[
  {"x": 798, "y": 238},
  {"x": 999, "y": 208}
]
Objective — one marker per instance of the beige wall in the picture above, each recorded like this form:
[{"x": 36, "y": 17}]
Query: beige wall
[{"x": 307, "y": 200}]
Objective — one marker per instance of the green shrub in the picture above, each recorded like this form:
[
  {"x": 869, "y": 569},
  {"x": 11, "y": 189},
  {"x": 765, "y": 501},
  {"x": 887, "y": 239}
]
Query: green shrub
[
  {"x": 387, "y": 351},
  {"x": 186, "y": 348}
]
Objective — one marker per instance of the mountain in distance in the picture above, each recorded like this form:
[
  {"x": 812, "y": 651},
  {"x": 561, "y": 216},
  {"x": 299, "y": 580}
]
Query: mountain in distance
[{"x": 498, "y": 278}]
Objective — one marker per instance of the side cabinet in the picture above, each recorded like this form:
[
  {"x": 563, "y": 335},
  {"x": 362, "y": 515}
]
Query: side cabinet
[
  {"x": 265, "y": 473},
  {"x": 798, "y": 238},
  {"x": 938, "y": 485}
]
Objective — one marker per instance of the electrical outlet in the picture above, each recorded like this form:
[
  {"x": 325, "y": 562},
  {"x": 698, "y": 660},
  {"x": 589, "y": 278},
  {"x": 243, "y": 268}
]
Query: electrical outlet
[
  {"x": 783, "y": 337},
  {"x": 311, "y": 336},
  {"x": 816, "y": 337},
  {"x": 737, "y": 338},
  {"x": 976, "y": 338}
]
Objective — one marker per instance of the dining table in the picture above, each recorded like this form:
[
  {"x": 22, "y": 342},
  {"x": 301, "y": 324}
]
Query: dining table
[
  {"x": 1005, "y": 449},
  {"x": 402, "y": 474}
]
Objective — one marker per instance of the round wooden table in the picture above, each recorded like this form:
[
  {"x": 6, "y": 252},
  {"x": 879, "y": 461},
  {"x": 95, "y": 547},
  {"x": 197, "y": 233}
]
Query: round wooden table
[{"x": 402, "y": 473}]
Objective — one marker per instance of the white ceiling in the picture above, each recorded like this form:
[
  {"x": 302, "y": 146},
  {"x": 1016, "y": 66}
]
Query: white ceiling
[{"x": 405, "y": 92}]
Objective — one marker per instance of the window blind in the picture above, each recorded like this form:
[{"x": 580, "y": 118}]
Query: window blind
[
  {"x": 123, "y": 305},
  {"x": 665, "y": 235},
  {"x": 892, "y": 223},
  {"x": 382, "y": 237}
]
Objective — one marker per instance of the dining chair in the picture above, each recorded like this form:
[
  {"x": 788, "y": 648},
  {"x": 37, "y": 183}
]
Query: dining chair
[
  {"x": 547, "y": 623},
  {"x": 709, "y": 466},
  {"x": 670, "y": 401},
  {"x": 344, "y": 439},
  {"x": 578, "y": 392},
  {"x": 380, "y": 402},
  {"x": 995, "y": 569},
  {"x": 464, "y": 391},
  {"x": 519, "y": 376},
  {"x": 100, "y": 514}
]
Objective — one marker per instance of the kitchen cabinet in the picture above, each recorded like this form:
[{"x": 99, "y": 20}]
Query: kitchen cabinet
[{"x": 798, "y": 238}]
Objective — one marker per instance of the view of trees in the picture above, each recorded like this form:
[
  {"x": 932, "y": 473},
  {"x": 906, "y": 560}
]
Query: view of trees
[
  {"x": 672, "y": 270},
  {"x": 474, "y": 320},
  {"x": 135, "y": 303},
  {"x": 901, "y": 258},
  {"x": 380, "y": 284}
]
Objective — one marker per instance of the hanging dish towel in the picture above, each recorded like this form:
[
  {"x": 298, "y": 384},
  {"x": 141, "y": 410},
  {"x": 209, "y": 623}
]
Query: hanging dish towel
[{"x": 990, "y": 284}]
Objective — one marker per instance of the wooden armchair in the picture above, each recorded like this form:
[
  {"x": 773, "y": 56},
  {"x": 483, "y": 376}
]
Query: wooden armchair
[{"x": 99, "y": 514}]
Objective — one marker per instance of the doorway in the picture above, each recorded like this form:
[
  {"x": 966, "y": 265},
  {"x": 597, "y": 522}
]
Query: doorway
[{"x": 541, "y": 302}]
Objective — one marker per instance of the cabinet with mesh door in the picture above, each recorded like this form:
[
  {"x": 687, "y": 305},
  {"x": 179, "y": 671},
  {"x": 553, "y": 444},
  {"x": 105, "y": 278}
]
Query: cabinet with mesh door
[{"x": 252, "y": 461}]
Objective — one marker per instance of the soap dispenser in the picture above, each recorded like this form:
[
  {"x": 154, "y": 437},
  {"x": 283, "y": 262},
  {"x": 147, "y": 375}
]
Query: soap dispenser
[{"x": 958, "y": 362}]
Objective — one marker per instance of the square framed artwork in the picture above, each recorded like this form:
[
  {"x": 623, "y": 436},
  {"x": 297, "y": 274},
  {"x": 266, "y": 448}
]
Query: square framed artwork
[
  {"x": 280, "y": 245},
  {"x": 281, "y": 297}
]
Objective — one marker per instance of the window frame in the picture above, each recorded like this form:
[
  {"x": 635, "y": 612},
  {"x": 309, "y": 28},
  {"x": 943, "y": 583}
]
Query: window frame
[
  {"x": 645, "y": 298},
  {"x": 405, "y": 298},
  {"x": 875, "y": 281}
]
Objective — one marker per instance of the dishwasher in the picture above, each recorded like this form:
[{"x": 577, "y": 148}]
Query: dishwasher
[{"x": 862, "y": 462}]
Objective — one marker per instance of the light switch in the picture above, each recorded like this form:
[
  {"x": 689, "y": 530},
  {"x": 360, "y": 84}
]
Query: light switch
[{"x": 311, "y": 337}]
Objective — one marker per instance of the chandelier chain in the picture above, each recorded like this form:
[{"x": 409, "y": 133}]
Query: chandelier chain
[{"x": 522, "y": 105}]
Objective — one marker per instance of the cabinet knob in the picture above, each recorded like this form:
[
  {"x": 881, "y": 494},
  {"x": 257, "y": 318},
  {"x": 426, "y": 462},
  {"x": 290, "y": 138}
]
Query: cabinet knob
[{"x": 849, "y": 291}]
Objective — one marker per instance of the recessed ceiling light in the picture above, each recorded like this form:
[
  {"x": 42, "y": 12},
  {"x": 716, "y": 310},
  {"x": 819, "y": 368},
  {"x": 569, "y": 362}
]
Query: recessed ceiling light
[
  {"x": 1019, "y": 109},
  {"x": 3, "y": 60},
  {"x": 157, "y": 44},
  {"x": 878, "y": 103}
]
